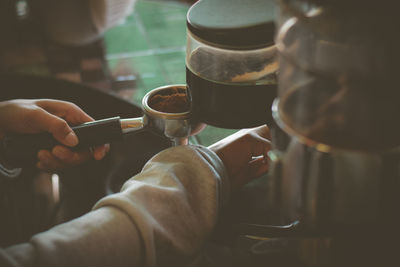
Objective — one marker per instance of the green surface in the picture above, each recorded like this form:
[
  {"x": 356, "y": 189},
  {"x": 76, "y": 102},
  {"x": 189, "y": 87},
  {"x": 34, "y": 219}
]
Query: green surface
[
  {"x": 151, "y": 43},
  {"x": 210, "y": 135},
  {"x": 125, "y": 38}
]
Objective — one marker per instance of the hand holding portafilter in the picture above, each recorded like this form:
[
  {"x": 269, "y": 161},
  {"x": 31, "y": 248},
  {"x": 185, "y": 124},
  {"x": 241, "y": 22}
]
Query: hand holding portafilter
[{"x": 22, "y": 149}]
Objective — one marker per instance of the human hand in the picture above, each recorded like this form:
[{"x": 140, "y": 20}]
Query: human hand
[
  {"x": 243, "y": 154},
  {"x": 34, "y": 116}
]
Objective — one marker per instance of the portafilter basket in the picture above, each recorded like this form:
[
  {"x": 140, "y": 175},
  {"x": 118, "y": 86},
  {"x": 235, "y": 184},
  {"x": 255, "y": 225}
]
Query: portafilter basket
[{"x": 175, "y": 126}]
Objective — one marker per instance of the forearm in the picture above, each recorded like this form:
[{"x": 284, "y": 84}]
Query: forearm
[
  {"x": 91, "y": 240},
  {"x": 162, "y": 216},
  {"x": 174, "y": 203}
]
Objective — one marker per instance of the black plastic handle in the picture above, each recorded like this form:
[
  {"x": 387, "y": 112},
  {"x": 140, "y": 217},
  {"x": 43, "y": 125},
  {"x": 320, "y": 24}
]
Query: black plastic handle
[{"x": 21, "y": 149}]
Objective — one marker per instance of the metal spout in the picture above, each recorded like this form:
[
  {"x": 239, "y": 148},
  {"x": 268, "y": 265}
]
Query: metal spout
[{"x": 132, "y": 125}]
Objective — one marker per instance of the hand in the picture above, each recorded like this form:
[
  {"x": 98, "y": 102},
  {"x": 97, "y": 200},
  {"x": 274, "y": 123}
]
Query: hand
[
  {"x": 244, "y": 154},
  {"x": 35, "y": 116}
]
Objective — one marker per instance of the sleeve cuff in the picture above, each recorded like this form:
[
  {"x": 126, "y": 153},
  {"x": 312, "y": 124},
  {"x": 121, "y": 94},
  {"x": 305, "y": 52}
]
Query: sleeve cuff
[{"x": 224, "y": 183}]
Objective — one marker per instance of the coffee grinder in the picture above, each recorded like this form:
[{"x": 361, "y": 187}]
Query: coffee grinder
[
  {"x": 336, "y": 153},
  {"x": 335, "y": 161},
  {"x": 231, "y": 62}
]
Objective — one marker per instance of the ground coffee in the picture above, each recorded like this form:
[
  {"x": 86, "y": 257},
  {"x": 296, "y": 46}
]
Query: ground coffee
[{"x": 175, "y": 101}]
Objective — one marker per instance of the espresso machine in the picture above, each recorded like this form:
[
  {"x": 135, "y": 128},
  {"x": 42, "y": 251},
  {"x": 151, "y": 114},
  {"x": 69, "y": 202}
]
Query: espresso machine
[{"x": 335, "y": 160}]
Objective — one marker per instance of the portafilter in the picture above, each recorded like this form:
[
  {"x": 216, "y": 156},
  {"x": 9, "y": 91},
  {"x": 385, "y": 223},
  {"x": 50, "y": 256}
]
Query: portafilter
[{"x": 175, "y": 124}]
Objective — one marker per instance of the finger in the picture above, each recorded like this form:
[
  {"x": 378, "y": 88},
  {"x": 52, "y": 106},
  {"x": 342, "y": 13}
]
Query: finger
[
  {"x": 259, "y": 145},
  {"x": 58, "y": 127},
  {"x": 100, "y": 151},
  {"x": 67, "y": 110},
  {"x": 258, "y": 167},
  {"x": 263, "y": 131},
  {"x": 69, "y": 157},
  {"x": 252, "y": 170},
  {"x": 48, "y": 162}
]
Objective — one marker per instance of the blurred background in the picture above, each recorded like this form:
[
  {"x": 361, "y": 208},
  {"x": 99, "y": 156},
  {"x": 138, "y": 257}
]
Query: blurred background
[{"x": 144, "y": 50}]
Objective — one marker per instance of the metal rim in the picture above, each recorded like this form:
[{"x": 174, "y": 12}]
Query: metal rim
[
  {"x": 325, "y": 148},
  {"x": 155, "y": 113}
]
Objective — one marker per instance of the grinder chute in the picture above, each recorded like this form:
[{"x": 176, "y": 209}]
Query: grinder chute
[{"x": 230, "y": 62}]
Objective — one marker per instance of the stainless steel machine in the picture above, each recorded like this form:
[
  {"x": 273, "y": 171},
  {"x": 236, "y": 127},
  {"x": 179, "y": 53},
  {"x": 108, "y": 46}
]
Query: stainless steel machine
[
  {"x": 338, "y": 109},
  {"x": 323, "y": 75},
  {"x": 335, "y": 162}
]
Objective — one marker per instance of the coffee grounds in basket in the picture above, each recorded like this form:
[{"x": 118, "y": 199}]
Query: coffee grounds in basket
[{"x": 174, "y": 102}]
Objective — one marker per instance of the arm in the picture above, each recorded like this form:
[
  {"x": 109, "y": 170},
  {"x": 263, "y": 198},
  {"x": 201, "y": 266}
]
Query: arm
[
  {"x": 163, "y": 216},
  {"x": 168, "y": 211}
]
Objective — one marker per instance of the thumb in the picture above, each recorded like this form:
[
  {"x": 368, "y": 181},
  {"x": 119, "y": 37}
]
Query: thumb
[{"x": 58, "y": 127}]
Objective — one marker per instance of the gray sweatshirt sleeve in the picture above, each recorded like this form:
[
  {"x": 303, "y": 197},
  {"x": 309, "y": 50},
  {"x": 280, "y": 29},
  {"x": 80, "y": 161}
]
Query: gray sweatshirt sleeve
[{"x": 161, "y": 217}]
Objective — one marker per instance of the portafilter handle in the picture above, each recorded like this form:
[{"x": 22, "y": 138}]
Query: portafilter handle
[
  {"x": 21, "y": 149},
  {"x": 18, "y": 150}
]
